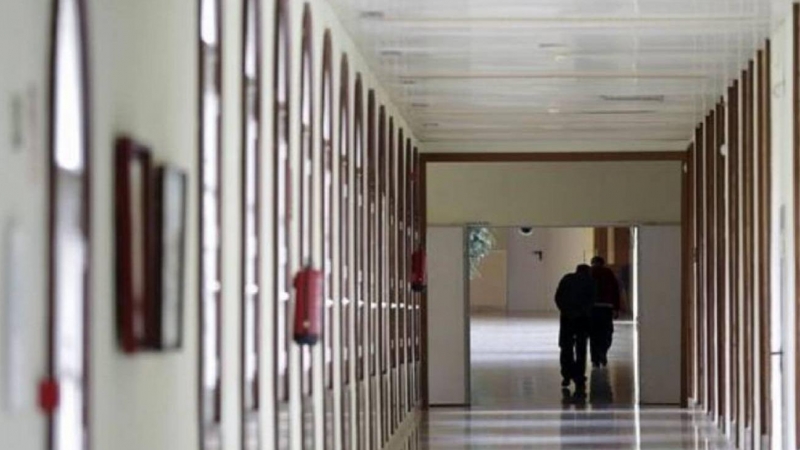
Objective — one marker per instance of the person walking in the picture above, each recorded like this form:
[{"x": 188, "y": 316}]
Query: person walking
[
  {"x": 575, "y": 297},
  {"x": 605, "y": 310}
]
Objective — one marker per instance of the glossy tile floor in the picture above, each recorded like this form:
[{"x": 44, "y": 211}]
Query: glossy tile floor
[
  {"x": 518, "y": 402},
  {"x": 515, "y": 365}
]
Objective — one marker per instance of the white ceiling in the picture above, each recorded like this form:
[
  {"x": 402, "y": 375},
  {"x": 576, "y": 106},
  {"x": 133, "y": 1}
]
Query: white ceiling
[{"x": 547, "y": 70}]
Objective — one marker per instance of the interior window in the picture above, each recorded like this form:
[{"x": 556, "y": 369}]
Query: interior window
[
  {"x": 308, "y": 218},
  {"x": 371, "y": 234},
  {"x": 400, "y": 303},
  {"x": 350, "y": 160},
  {"x": 329, "y": 217},
  {"x": 342, "y": 186},
  {"x": 283, "y": 181},
  {"x": 381, "y": 302},
  {"x": 361, "y": 253},
  {"x": 390, "y": 301},
  {"x": 385, "y": 130},
  {"x": 210, "y": 222},
  {"x": 251, "y": 229},
  {"x": 362, "y": 279},
  {"x": 69, "y": 249},
  {"x": 378, "y": 238},
  {"x": 410, "y": 301},
  {"x": 328, "y": 214},
  {"x": 378, "y": 150},
  {"x": 283, "y": 232},
  {"x": 342, "y": 248},
  {"x": 417, "y": 224}
]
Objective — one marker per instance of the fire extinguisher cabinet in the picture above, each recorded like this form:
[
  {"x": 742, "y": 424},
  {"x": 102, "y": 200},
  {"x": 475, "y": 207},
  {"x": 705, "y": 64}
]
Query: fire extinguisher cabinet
[
  {"x": 419, "y": 276},
  {"x": 308, "y": 285}
]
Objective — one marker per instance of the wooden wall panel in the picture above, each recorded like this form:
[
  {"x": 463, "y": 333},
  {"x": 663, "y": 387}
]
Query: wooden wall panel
[
  {"x": 721, "y": 258},
  {"x": 709, "y": 260},
  {"x": 729, "y": 232},
  {"x": 733, "y": 205},
  {"x": 763, "y": 166},
  {"x": 699, "y": 257}
]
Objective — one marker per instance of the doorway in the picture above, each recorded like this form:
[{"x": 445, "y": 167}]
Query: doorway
[
  {"x": 505, "y": 355},
  {"x": 514, "y": 322}
]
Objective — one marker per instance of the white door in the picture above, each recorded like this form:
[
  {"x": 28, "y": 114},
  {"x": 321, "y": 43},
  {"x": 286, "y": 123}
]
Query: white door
[
  {"x": 448, "y": 320},
  {"x": 659, "y": 297}
]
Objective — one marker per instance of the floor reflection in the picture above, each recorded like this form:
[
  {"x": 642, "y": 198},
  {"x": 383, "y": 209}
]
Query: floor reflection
[
  {"x": 518, "y": 402},
  {"x": 515, "y": 364},
  {"x": 601, "y": 393}
]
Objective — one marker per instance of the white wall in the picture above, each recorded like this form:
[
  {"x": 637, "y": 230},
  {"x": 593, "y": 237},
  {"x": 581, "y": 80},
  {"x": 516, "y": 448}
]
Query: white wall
[
  {"x": 143, "y": 56},
  {"x": 782, "y": 212},
  {"x": 24, "y": 27},
  {"x": 554, "y": 194},
  {"x": 448, "y": 334},
  {"x": 659, "y": 294},
  {"x": 151, "y": 95},
  {"x": 532, "y": 283},
  {"x": 488, "y": 291}
]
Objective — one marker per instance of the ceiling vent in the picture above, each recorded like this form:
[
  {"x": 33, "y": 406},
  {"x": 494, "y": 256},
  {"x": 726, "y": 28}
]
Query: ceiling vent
[
  {"x": 550, "y": 45},
  {"x": 622, "y": 111},
  {"x": 633, "y": 98},
  {"x": 391, "y": 53}
]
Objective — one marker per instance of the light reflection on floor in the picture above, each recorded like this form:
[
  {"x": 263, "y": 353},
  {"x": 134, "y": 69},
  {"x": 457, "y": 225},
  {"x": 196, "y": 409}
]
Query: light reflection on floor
[{"x": 518, "y": 403}]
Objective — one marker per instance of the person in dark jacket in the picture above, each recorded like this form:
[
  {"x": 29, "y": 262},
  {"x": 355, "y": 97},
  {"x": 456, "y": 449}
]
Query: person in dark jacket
[
  {"x": 575, "y": 297},
  {"x": 605, "y": 310}
]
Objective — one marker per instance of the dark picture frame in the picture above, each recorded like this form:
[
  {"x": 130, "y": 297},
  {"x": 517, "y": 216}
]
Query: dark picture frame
[{"x": 133, "y": 165}]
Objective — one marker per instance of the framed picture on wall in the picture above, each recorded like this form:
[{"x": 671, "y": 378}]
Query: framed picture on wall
[
  {"x": 134, "y": 245},
  {"x": 170, "y": 218}
]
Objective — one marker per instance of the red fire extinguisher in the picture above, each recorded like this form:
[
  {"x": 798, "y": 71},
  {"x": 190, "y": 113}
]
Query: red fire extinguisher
[
  {"x": 419, "y": 275},
  {"x": 308, "y": 285}
]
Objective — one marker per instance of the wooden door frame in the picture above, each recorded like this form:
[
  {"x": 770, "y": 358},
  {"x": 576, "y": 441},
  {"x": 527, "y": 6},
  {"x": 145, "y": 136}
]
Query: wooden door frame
[{"x": 575, "y": 157}]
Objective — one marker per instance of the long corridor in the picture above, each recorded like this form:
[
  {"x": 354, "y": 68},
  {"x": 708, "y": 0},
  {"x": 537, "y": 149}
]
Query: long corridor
[
  {"x": 256, "y": 224},
  {"x": 517, "y": 403}
]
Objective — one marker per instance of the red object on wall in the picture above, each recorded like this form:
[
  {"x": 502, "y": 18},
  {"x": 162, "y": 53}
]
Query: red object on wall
[
  {"x": 49, "y": 395},
  {"x": 419, "y": 274},
  {"x": 308, "y": 285}
]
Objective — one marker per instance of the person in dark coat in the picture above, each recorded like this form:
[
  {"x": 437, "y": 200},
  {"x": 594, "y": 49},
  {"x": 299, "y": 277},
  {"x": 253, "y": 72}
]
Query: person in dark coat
[
  {"x": 575, "y": 297},
  {"x": 605, "y": 310}
]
